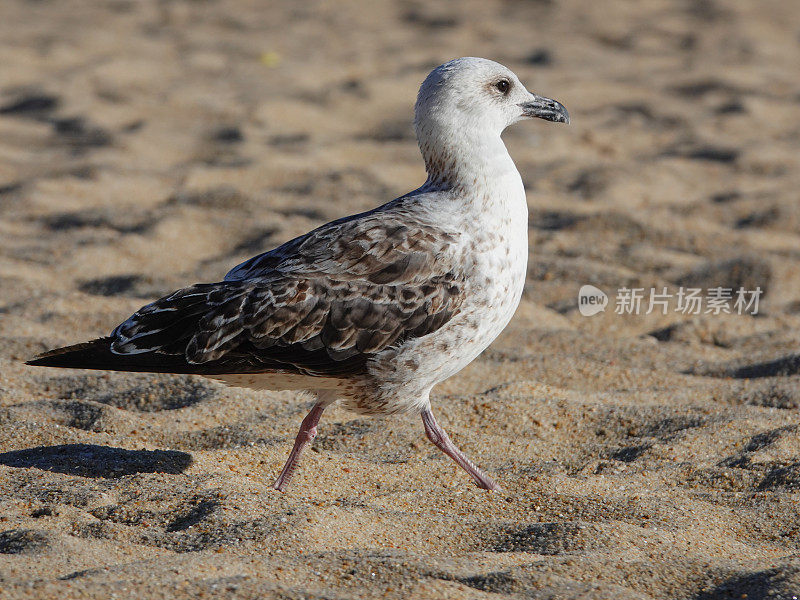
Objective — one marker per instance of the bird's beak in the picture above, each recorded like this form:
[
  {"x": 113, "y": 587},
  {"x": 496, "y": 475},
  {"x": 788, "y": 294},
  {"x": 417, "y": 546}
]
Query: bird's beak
[{"x": 544, "y": 108}]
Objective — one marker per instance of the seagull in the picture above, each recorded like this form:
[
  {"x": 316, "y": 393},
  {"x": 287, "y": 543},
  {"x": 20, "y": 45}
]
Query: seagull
[{"x": 372, "y": 309}]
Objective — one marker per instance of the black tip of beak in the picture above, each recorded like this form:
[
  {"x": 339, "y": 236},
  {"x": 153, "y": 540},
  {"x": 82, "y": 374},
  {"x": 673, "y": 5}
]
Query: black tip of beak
[{"x": 545, "y": 108}]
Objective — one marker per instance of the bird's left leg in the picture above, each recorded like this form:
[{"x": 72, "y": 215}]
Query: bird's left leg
[
  {"x": 306, "y": 435},
  {"x": 441, "y": 440}
]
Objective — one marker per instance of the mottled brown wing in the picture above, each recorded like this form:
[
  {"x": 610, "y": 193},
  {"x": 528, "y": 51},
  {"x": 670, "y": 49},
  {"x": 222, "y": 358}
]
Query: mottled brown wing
[
  {"x": 321, "y": 304},
  {"x": 390, "y": 245},
  {"x": 315, "y": 327}
]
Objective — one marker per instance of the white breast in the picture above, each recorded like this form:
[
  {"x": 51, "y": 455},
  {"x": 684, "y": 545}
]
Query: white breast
[{"x": 493, "y": 254}]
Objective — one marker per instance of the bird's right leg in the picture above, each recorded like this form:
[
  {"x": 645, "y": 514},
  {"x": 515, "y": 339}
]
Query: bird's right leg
[
  {"x": 441, "y": 440},
  {"x": 306, "y": 435}
]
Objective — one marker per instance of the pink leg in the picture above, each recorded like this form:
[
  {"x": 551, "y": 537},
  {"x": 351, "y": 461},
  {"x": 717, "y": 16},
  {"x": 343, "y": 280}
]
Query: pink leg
[
  {"x": 307, "y": 433},
  {"x": 441, "y": 440}
]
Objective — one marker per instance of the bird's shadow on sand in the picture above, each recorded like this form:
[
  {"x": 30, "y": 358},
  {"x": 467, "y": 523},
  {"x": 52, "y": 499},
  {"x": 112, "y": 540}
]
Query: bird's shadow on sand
[{"x": 89, "y": 460}]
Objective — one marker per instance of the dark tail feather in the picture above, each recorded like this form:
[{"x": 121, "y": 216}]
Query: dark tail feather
[{"x": 97, "y": 355}]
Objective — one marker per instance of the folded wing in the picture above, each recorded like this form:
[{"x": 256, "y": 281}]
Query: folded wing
[
  {"x": 319, "y": 305},
  {"x": 320, "y": 327}
]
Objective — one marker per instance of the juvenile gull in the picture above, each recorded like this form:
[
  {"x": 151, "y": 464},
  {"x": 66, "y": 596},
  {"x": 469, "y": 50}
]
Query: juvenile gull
[{"x": 376, "y": 308}]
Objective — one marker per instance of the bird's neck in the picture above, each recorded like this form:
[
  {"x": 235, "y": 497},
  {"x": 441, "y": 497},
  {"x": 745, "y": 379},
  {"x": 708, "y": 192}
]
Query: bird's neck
[{"x": 466, "y": 160}]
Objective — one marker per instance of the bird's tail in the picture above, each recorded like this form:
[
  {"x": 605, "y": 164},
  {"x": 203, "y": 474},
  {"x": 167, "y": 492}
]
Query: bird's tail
[{"x": 97, "y": 354}]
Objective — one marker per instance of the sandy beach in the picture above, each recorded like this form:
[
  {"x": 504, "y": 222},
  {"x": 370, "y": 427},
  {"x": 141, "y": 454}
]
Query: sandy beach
[{"x": 148, "y": 145}]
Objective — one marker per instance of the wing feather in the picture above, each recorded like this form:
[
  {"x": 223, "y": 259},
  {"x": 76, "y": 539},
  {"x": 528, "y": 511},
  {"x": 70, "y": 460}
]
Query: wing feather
[
  {"x": 321, "y": 304},
  {"x": 316, "y": 329}
]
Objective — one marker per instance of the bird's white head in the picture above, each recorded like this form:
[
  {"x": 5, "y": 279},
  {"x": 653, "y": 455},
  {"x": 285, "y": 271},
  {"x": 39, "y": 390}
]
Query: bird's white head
[
  {"x": 476, "y": 92},
  {"x": 468, "y": 102}
]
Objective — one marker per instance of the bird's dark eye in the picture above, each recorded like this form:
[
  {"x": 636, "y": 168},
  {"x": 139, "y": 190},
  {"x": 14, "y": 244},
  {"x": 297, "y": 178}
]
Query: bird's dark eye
[{"x": 503, "y": 86}]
